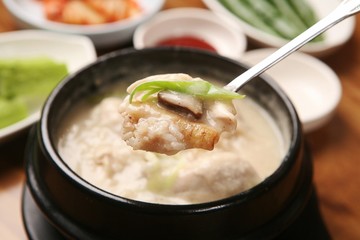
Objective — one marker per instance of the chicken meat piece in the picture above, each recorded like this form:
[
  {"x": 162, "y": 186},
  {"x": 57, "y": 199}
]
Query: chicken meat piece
[
  {"x": 154, "y": 129},
  {"x": 214, "y": 178}
]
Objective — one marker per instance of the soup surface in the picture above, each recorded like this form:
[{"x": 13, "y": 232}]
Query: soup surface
[{"x": 90, "y": 143}]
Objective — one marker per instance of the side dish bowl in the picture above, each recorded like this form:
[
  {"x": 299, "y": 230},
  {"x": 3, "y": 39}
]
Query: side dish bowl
[
  {"x": 334, "y": 38},
  {"x": 79, "y": 210},
  {"x": 312, "y": 86},
  {"x": 220, "y": 33},
  {"x": 29, "y": 14},
  {"x": 74, "y": 51}
]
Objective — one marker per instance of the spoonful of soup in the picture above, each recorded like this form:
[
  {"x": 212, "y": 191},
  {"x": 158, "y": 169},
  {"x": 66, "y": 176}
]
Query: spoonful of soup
[{"x": 173, "y": 112}]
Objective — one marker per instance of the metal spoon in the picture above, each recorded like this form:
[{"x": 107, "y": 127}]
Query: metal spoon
[{"x": 345, "y": 9}]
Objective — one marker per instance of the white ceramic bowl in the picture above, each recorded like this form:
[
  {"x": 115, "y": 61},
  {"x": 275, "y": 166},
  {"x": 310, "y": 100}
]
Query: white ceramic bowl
[
  {"x": 219, "y": 32},
  {"x": 75, "y": 51},
  {"x": 29, "y": 14},
  {"x": 334, "y": 37},
  {"x": 312, "y": 86}
]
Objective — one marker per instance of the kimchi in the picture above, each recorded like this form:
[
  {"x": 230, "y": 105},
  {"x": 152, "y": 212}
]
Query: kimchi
[{"x": 88, "y": 12}]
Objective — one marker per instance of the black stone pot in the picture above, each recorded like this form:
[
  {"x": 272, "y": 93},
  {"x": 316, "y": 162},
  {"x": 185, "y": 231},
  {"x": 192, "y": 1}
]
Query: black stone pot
[{"x": 76, "y": 209}]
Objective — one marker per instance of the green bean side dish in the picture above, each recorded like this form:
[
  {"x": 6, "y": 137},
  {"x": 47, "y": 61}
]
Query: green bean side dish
[
  {"x": 25, "y": 83},
  {"x": 283, "y": 18}
]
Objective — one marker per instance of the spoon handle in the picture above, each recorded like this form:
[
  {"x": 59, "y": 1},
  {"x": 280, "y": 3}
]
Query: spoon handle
[{"x": 345, "y": 9}]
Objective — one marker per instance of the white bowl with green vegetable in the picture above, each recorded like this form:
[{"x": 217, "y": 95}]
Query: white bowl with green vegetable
[
  {"x": 273, "y": 23},
  {"x": 32, "y": 62}
]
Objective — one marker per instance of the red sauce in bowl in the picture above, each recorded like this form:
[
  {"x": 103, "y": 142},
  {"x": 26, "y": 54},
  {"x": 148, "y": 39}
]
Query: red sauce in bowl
[{"x": 186, "y": 41}]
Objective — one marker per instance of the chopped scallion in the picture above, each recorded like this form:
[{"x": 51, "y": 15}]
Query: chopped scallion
[{"x": 198, "y": 88}]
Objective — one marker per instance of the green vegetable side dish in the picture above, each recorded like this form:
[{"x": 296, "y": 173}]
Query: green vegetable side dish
[
  {"x": 283, "y": 18},
  {"x": 11, "y": 111},
  {"x": 25, "y": 83},
  {"x": 199, "y": 88}
]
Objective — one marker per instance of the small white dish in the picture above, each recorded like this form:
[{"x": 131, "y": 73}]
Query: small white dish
[
  {"x": 335, "y": 37},
  {"x": 312, "y": 86},
  {"x": 30, "y": 14},
  {"x": 221, "y": 33},
  {"x": 75, "y": 51}
]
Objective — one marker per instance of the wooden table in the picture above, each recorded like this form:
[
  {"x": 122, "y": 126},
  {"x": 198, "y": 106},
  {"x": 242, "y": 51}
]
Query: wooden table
[{"x": 335, "y": 149}]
